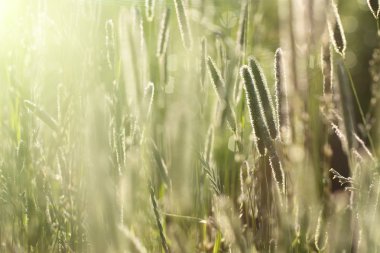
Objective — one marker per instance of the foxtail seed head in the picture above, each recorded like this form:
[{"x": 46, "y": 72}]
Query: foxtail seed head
[
  {"x": 374, "y": 6},
  {"x": 264, "y": 95},
  {"x": 163, "y": 36},
  {"x": 277, "y": 171},
  {"x": 327, "y": 69},
  {"x": 336, "y": 30},
  {"x": 243, "y": 25},
  {"x": 183, "y": 23},
  {"x": 255, "y": 110},
  {"x": 281, "y": 96}
]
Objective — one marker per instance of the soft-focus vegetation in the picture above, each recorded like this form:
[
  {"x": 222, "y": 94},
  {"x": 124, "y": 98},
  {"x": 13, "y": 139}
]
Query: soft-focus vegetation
[{"x": 189, "y": 126}]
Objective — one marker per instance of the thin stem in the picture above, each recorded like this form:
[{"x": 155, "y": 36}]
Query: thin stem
[
  {"x": 184, "y": 217},
  {"x": 359, "y": 106}
]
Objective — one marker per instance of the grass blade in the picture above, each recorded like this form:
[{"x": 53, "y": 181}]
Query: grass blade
[
  {"x": 42, "y": 115},
  {"x": 110, "y": 43},
  {"x": 220, "y": 88},
  {"x": 212, "y": 176},
  {"x": 161, "y": 165},
  {"x": 158, "y": 220},
  {"x": 216, "y": 78},
  {"x": 203, "y": 60},
  {"x": 209, "y": 145},
  {"x": 347, "y": 105}
]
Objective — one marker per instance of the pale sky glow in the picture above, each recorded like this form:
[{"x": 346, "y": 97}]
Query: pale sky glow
[{"x": 3, "y": 9}]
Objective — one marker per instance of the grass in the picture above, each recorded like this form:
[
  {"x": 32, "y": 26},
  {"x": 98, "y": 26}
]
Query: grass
[{"x": 189, "y": 126}]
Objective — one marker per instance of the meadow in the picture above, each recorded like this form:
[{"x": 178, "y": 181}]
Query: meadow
[{"x": 189, "y": 126}]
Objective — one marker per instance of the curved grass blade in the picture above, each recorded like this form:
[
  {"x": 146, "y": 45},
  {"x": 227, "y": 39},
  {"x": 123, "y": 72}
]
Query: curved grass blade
[
  {"x": 222, "y": 55},
  {"x": 347, "y": 105},
  {"x": 42, "y": 115},
  {"x": 209, "y": 145},
  {"x": 133, "y": 239},
  {"x": 220, "y": 88},
  {"x": 216, "y": 78},
  {"x": 161, "y": 165},
  {"x": 158, "y": 220},
  {"x": 110, "y": 43}
]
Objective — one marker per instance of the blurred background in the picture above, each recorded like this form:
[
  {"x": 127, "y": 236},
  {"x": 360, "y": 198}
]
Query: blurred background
[{"x": 91, "y": 117}]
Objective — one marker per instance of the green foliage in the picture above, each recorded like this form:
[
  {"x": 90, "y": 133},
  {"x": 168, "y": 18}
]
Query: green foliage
[{"x": 114, "y": 137}]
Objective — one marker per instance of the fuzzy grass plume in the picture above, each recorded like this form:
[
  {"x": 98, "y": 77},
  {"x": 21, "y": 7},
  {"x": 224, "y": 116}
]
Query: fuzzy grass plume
[
  {"x": 265, "y": 96},
  {"x": 327, "y": 68},
  {"x": 163, "y": 36},
  {"x": 261, "y": 129},
  {"x": 96, "y": 103},
  {"x": 336, "y": 31},
  {"x": 374, "y": 7},
  {"x": 263, "y": 139},
  {"x": 183, "y": 24},
  {"x": 243, "y": 26},
  {"x": 281, "y": 96},
  {"x": 42, "y": 115}
]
